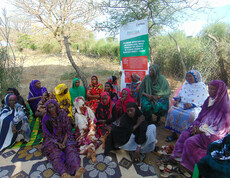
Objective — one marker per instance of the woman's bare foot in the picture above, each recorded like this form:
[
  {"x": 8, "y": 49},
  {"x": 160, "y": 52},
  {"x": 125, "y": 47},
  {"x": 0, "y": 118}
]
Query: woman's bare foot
[
  {"x": 65, "y": 175},
  {"x": 137, "y": 155},
  {"x": 93, "y": 157},
  {"x": 104, "y": 140},
  {"x": 79, "y": 172}
]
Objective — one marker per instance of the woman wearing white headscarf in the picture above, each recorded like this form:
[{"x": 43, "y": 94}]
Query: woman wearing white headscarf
[
  {"x": 187, "y": 105},
  {"x": 85, "y": 122}
]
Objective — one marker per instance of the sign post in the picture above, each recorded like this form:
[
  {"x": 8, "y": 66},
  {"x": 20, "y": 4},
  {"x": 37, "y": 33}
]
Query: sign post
[{"x": 134, "y": 51}]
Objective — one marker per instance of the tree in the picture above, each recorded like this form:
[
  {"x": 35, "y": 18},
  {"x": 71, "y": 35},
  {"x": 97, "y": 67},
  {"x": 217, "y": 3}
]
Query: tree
[
  {"x": 220, "y": 35},
  {"x": 160, "y": 13},
  {"x": 58, "y": 16},
  {"x": 10, "y": 71}
]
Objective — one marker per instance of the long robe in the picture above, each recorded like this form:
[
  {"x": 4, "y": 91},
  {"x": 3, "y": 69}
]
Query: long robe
[
  {"x": 213, "y": 120},
  {"x": 54, "y": 130}
]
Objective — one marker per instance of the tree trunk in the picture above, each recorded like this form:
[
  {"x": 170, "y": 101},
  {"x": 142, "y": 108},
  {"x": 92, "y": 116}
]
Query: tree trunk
[
  {"x": 78, "y": 71},
  {"x": 181, "y": 58}
]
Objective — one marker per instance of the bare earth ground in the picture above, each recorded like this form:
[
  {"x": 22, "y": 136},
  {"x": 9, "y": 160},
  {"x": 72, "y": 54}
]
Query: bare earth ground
[{"x": 49, "y": 69}]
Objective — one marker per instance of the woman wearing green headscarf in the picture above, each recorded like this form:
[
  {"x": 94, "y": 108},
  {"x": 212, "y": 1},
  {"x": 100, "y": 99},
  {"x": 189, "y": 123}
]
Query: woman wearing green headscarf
[
  {"x": 76, "y": 90},
  {"x": 154, "y": 93}
]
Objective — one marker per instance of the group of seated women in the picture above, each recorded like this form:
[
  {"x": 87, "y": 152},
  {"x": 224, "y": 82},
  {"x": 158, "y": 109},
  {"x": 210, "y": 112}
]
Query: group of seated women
[{"x": 121, "y": 120}]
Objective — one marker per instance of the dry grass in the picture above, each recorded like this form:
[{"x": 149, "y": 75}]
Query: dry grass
[{"x": 49, "y": 69}]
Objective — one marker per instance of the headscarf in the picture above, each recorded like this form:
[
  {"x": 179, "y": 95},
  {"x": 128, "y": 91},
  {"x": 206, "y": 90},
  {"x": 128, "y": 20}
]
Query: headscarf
[
  {"x": 35, "y": 92},
  {"x": 88, "y": 116},
  {"x": 104, "y": 111},
  {"x": 112, "y": 79},
  {"x": 196, "y": 74},
  {"x": 60, "y": 96},
  {"x": 15, "y": 91},
  {"x": 158, "y": 87},
  {"x": 195, "y": 93},
  {"x": 216, "y": 116},
  {"x": 120, "y": 135},
  {"x": 125, "y": 102},
  {"x": 6, "y": 99},
  {"x": 136, "y": 78},
  {"x": 76, "y": 91},
  {"x": 95, "y": 89},
  {"x": 55, "y": 128}
]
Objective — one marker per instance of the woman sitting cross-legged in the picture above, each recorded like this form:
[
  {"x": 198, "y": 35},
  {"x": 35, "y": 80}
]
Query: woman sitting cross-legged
[
  {"x": 187, "y": 104},
  {"x": 133, "y": 134},
  {"x": 212, "y": 124},
  {"x": 14, "y": 124},
  {"x": 85, "y": 122},
  {"x": 106, "y": 114},
  {"x": 154, "y": 93},
  {"x": 59, "y": 145}
]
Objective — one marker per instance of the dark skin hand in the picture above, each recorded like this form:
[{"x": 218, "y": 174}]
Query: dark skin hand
[
  {"x": 136, "y": 156},
  {"x": 139, "y": 121},
  {"x": 195, "y": 130},
  {"x": 151, "y": 97},
  {"x": 63, "y": 144},
  {"x": 188, "y": 105},
  {"x": 14, "y": 130}
]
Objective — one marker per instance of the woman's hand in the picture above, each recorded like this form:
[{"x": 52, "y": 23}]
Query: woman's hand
[
  {"x": 188, "y": 105},
  {"x": 14, "y": 130},
  {"x": 195, "y": 130},
  {"x": 140, "y": 120}
]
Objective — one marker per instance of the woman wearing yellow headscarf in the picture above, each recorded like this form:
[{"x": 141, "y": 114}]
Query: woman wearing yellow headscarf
[{"x": 63, "y": 97}]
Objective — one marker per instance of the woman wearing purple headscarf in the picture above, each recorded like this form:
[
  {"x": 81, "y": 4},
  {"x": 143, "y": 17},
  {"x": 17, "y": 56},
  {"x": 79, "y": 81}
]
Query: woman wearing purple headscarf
[
  {"x": 35, "y": 94},
  {"x": 212, "y": 124},
  {"x": 59, "y": 145}
]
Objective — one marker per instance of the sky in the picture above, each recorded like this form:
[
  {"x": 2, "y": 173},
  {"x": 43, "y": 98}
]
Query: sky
[{"x": 220, "y": 13}]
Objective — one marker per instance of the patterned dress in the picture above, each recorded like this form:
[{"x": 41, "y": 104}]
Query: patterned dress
[
  {"x": 94, "y": 89},
  {"x": 65, "y": 160},
  {"x": 85, "y": 127}
]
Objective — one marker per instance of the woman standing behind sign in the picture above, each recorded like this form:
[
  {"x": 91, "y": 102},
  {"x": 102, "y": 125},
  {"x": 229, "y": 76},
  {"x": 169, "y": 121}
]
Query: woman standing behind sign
[{"x": 154, "y": 93}]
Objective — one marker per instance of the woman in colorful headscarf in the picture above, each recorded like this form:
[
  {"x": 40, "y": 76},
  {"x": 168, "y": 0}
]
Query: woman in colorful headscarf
[
  {"x": 187, "y": 104},
  {"x": 13, "y": 123},
  {"x": 20, "y": 100},
  {"x": 94, "y": 91},
  {"x": 63, "y": 97},
  {"x": 85, "y": 122},
  {"x": 109, "y": 88},
  {"x": 133, "y": 134},
  {"x": 123, "y": 101},
  {"x": 113, "y": 80},
  {"x": 76, "y": 90},
  {"x": 35, "y": 94},
  {"x": 135, "y": 83},
  {"x": 106, "y": 114},
  {"x": 212, "y": 124},
  {"x": 59, "y": 145},
  {"x": 154, "y": 93}
]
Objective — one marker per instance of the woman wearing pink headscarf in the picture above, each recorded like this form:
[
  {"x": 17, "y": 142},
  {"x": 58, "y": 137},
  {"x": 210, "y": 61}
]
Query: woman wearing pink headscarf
[
  {"x": 212, "y": 124},
  {"x": 123, "y": 101}
]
